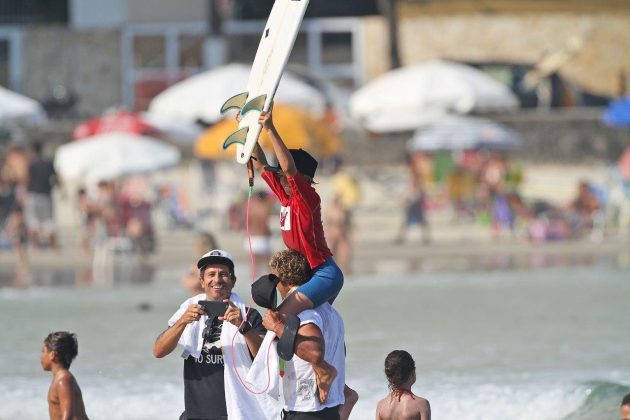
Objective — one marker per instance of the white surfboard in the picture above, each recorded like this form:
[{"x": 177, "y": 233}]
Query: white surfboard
[{"x": 272, "y": 55}]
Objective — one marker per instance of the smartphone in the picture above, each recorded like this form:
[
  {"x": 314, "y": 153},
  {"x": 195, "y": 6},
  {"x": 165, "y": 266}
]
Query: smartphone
[{"x": 213, "y": 308}]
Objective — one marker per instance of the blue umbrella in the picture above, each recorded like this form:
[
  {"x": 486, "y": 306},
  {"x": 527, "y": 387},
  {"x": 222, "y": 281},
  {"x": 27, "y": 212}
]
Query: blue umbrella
[{"x": 618, "y": 113}]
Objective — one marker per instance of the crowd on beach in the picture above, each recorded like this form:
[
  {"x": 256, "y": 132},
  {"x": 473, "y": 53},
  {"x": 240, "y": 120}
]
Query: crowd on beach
[{"x": 484, "y": 187}]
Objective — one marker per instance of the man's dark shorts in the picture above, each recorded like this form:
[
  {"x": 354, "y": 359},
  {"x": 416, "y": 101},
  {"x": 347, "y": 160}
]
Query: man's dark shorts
[{"x": 325, "y": 414}]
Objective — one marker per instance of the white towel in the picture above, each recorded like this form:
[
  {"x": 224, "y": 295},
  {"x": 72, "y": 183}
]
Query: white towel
[
  {"x": 242, "y": 403},
  {"x": 265, "y": 370}
]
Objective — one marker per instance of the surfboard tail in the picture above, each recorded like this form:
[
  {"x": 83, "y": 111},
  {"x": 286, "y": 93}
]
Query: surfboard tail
[
  {"x": 237, "y": 137},
  {"x": 235, "y": 102},
  {"x": 255, "y": 104}
]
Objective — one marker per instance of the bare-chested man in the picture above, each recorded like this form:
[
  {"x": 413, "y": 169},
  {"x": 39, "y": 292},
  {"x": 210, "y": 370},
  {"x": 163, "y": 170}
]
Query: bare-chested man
[
  {"x": 401, "y": 403},
  {"x": 65, "y": 401}
]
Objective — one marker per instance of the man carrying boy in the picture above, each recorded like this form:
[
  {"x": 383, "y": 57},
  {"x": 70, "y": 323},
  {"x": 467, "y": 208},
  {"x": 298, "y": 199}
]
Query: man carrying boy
[
  {"x": 302, "y": 231},
  {"x": 299, "y": 382}
]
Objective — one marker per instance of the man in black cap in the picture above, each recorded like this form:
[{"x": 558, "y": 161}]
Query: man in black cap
[{"x": 198, "y": 326}]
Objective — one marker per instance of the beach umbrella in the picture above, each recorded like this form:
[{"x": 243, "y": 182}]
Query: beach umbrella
[
  {"x": 415, "y": 96},
  {"x": 617, "y": 114},
  {"x": 16, "y": 108},
  {"x": 464, "y": 133},
  {"x": 113, "y": 155},
  {"x": 296, "y": 126},
  {"x": 119, "y": 120},
  {"x": 201, "y": 96}
]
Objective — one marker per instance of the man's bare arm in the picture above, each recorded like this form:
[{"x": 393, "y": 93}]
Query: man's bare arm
[{"x": 167, "y": 341}]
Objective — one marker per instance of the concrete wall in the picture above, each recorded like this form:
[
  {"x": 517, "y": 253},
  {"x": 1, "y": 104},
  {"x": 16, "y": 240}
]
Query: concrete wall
[
  {"x": 97, "y": 13},
  {"x": 560, "y": 136},
  {"x": 152, "y": 11},
  {"x": 521, "y": 38},
  {"x": 115, "y": 13},
  {"x": 85, "y": 62}
]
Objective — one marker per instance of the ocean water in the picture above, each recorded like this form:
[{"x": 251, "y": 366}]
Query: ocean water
[{"x": 504, "y": 344}]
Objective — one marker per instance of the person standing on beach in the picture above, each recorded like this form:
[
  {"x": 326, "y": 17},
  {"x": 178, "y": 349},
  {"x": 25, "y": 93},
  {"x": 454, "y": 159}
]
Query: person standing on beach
[
  {"x": 401, "y": 403},
  {"x": 625, "y": 408},
  {"x": 39, "y": 208},
  {"x": 302, "y": 230},
  {"x": 214, "y": 345},
  {"x": 65, "y": 401}
]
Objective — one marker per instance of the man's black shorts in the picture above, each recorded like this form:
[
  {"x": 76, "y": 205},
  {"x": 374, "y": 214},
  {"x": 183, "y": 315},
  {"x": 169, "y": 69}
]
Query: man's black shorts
[{"x": 325, "y": 414}]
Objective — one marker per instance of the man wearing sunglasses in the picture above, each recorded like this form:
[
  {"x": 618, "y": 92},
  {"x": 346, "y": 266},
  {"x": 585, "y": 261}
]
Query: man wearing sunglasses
[{"x": 217, "y": 333}]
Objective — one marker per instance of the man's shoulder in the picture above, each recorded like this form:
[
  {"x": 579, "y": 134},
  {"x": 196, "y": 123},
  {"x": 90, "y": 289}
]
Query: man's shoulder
[{"x": 319, "y": 314}]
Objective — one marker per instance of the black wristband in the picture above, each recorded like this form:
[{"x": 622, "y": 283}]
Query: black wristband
[{"x": 245, "y": 328}]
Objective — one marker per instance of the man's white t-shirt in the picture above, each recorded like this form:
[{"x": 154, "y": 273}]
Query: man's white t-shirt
[{"x": 299, "y": 384}]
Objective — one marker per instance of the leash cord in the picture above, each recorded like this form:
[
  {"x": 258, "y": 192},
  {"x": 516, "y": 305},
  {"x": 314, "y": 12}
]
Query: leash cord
[{"x": 251, "y": 299}]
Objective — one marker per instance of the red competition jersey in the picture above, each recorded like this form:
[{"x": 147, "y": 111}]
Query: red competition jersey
[{"x": 301, "y": 218}]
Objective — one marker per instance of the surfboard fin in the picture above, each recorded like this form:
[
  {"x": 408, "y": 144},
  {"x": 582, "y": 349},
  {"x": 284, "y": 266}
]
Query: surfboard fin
[
  {"x": 238, "y": 136},
  {"x": 236, "y": 101},
  {"x": 257, "y": 103}
]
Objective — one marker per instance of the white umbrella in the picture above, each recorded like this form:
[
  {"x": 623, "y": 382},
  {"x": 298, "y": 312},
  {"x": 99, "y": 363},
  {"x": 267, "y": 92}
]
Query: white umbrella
[
  {"x": 464, "y": 133},
  {"x": 16, "y": 108},
  {"x": 414, "y": 96},
  {"x": 112, "y": 155},
  {"x": 200, "y": 97}
]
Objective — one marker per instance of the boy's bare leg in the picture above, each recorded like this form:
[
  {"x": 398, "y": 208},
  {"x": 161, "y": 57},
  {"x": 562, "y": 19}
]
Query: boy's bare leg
[
  {"x": 325, "y": 373},
  {"x": 351, "y": 396},
  {"x": 295, "y": 303}
]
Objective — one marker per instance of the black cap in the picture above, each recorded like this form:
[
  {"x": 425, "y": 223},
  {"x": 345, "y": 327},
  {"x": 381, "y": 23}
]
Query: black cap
[
  {"x": 304, "y": 162},
  {"x": 264, "y": 291}
]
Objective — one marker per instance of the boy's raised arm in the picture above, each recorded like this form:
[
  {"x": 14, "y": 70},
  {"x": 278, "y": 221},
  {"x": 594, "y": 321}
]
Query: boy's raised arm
[{"x": 282, "y": 152}]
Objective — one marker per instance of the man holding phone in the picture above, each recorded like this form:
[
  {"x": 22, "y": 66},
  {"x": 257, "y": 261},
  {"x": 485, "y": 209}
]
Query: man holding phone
[{"x": 206, "y": 326}]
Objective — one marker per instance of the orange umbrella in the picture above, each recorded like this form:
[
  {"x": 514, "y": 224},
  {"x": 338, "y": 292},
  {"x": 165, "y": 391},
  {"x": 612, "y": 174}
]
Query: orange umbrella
[{"x": 297, "y": 128}]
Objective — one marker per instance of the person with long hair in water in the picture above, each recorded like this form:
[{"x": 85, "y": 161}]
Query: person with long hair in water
[{"x": 401, "y": 403}]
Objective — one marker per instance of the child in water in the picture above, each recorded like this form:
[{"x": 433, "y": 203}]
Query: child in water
[
  {"x": 64, "y": 395},
  {"x": 401, "y": 403},
  {"x": 302, "y": 231}
]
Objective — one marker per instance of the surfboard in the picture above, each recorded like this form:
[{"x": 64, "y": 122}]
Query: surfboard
[{"x": 271, "y": 57}]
